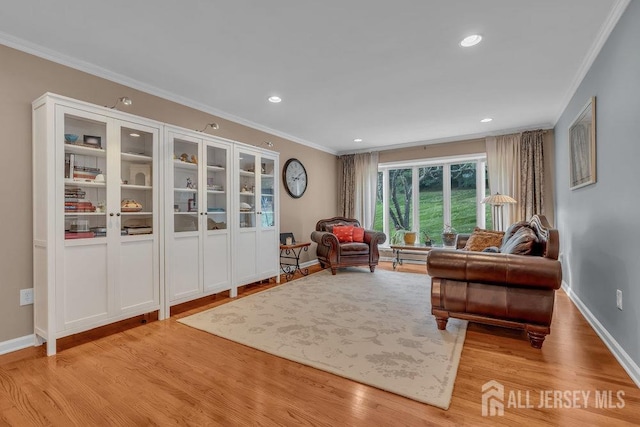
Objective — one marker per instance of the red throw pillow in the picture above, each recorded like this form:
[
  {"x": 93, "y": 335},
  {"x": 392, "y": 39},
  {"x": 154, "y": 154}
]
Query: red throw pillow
[
  {"x": 344, "y": 233},
  {"x": 358, "y": 234}
]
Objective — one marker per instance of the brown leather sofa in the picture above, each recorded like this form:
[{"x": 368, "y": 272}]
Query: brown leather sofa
[
  {"x": 508, "y": 290},
  {"x": 333, "y": 254}
]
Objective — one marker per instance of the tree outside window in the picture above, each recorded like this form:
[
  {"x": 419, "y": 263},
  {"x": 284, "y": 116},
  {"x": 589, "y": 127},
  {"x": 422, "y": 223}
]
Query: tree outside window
[{"x": 445, "y": 193}]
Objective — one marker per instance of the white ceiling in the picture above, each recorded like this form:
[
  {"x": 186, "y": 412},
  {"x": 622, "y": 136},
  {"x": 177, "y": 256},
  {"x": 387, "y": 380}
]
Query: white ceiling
[{"x": 389, "y": 72}]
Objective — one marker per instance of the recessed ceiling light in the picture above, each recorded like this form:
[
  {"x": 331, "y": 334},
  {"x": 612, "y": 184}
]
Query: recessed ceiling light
[
  {"x": 487, "y": 120},
  {"x": 275, "y": 99},
  {"x": 471, "y": 40},
  {"x": 357, "y": 140},
  {"x": 135, "y": 135}
]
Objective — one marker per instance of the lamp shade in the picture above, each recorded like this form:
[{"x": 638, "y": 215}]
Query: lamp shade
[{"x": 499, "y": 199}]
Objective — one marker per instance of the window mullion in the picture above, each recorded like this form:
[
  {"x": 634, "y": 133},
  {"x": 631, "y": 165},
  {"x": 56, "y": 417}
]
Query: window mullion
[
  {"x": 415, "y": 190},
  {"x": 480, "y": 179},
  {"x": 385, "y": 202},
  {"x": 446, "y": 193}
]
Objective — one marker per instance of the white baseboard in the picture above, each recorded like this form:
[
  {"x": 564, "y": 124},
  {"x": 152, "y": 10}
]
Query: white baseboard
[
  {"x": 17, "y": 344},
  {"x": 308, "y": 264},
  {"x": 623, "y": 358}
]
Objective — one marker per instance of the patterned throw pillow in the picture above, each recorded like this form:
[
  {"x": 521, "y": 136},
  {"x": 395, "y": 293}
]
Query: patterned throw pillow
[
  {"x": 480, "y": 240},
  {"x": 344, "y": 233},
  {"x": 358, "y": 234}
]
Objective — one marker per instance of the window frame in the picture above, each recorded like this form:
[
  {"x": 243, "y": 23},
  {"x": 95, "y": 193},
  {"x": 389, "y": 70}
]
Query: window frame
[{"x": 481, "y": 174}]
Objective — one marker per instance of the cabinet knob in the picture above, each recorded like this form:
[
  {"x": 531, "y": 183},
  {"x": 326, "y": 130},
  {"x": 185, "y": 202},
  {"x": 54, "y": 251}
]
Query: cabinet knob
[
  {"x": 111, "y": 214},
  {"x": 118, "y": 214}
]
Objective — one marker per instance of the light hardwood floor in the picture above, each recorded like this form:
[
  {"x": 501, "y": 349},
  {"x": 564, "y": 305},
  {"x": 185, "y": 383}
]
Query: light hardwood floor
[{"x": 165, "y": 373}]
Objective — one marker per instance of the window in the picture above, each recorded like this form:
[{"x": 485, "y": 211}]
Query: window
[{"x": 425, "y": 195}]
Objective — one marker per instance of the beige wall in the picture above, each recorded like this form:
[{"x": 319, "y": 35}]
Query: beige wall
[
  {"x": 24, "y": 77},
  {"x": 457, "y": 148}
]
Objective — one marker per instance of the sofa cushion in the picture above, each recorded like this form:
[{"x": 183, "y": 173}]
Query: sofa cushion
[
  {"x": 358, "y": 234},
  {"x": 522, "y": 242},
  {"x": 354, "y": 248},
  {"x": 479, "y": 240},
  {"x": 344, "y": 233}
]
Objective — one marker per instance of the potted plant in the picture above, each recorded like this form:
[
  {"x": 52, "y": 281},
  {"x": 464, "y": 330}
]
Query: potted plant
[
  {"x": 449, "y": 235},
  {"x": 425, "y": 238},
  {"x": 403, "y": 236}
]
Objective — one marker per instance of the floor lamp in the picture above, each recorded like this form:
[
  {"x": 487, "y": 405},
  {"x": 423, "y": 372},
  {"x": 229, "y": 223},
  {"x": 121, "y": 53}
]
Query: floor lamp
[{"x": 497, "y": 201}]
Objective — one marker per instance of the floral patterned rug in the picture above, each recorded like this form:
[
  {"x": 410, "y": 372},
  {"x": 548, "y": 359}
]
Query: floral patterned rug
[{"x": 374, "y": 328}]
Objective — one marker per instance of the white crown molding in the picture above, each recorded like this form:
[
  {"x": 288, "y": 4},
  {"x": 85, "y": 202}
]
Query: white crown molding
[
  {"x": 605, "y": 31},
  {"x": 622, "y": 356},
  {"x": 87, "y": 67},
  {"x": 458, "y": 138},
  {"x": 17, "y": 344}
]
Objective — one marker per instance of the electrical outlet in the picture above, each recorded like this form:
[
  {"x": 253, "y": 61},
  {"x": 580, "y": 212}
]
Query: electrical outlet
[
  {"x": 619, "y": 299},
  {"x": 26, "y": 296}
]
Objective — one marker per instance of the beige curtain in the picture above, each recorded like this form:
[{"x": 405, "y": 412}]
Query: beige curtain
[
  {"x": 358, "y": 179},
  {"x": 346, "y": 185},
  {"x": 531, "y": 199},
  {"x": 366, "y": 180},
  {"x": 503, "y": 166}
]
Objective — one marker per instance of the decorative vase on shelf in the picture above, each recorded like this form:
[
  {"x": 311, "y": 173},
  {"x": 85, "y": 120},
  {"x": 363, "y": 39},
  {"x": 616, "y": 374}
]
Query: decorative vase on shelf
[
  {"x": 449, "y": 235},
  {"x": 410, "y": 237}
]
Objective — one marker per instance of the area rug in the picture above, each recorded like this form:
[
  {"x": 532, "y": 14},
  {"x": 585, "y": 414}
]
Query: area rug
[{"x": 374, "y": 328}]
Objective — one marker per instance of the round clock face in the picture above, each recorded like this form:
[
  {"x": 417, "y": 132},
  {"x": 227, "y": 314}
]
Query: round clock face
[{"x": 295, "y": 178}]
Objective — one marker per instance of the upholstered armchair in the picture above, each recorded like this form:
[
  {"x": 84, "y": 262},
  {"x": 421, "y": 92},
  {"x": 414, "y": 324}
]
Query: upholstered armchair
[{"x": 335, "y": 254}]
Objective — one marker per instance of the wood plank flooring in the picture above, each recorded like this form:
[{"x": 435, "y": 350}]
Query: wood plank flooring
[{"x": 165, "y": 373}]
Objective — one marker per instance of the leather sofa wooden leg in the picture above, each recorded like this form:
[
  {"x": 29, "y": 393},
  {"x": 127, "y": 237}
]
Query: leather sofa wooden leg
[
  {"x": 536, "y": 335},
  {"x": 442, "y": 322},
  {"x": 334, "y": 271},
  {"x": 372, "y": 268}
]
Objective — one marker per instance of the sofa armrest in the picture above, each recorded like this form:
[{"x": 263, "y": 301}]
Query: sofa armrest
[{"x": 496, "y": 268}]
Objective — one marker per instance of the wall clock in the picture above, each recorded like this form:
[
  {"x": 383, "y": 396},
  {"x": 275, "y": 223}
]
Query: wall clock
[{"x": 294, "y": 176}]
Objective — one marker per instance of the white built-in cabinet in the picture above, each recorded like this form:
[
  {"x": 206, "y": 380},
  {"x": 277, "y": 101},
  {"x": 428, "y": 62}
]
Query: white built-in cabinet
[
  {"x": 198, "y": 236},
  {"x": 132, "y": 216},
  {"x": 256, "y": 225},
  {"x": 96, "y": 217}
]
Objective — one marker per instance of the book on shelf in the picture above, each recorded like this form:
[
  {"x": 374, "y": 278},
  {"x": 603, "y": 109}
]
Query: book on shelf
[
  {"x": 138, "y": 229},
  {"x": 72, "y": 158},
  {"x": 84, "y": 176},
  {"x": 79, "y": 234},
  {"x": 88, "y": 169}
]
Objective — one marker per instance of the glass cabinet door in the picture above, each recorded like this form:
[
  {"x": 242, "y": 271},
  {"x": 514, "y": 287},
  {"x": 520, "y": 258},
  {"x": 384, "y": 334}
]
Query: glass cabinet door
[
  {"x": 267, "y": 193},
  {"x": 247, "y": 182},
  {"x": 216, "y": 175},
  {"x": 85, "y": 169},
  {"x": 136, "y": 181},
  {"x": 185, "y": 185}
]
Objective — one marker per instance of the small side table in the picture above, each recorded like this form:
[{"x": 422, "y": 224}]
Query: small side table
[
  {"x": 399, "y": 250},
  {"x": 290, "y": 259}
]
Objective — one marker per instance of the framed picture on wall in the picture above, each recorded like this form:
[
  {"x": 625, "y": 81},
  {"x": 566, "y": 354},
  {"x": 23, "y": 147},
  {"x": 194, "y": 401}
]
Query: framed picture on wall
[{"x": 582, "y": 147}]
